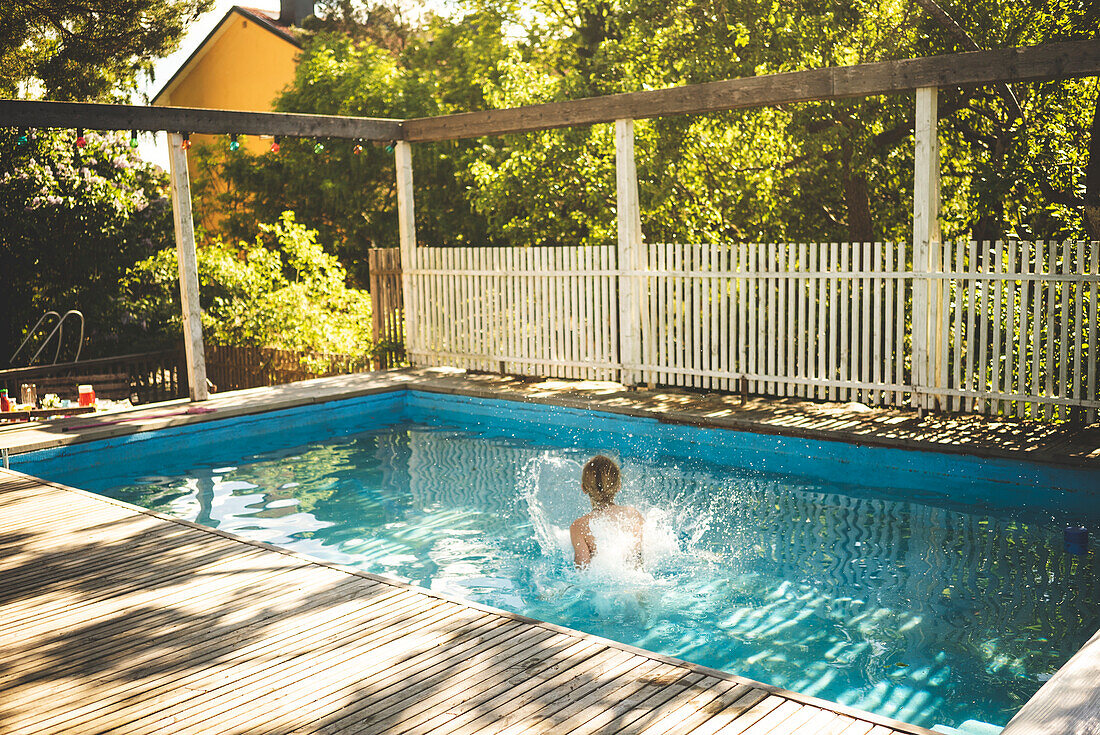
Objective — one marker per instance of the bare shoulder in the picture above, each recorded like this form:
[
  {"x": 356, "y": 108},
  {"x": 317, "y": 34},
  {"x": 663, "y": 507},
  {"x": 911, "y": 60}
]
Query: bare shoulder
[{"x": 579, "y": 526}]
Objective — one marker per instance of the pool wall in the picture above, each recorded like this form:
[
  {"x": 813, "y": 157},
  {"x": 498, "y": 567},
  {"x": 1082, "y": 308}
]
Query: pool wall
[{"x": 995, "y": 482}]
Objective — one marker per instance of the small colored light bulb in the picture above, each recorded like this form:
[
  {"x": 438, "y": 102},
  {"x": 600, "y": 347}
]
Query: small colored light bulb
[
  {"x": 186, "y": 144},
  {"x": 318, "y": 147},
  {"x": 81, "y": 141},
  {"x": 22, "y": 140},
  {"x": 133, "y": 139},
  {"x": 275, "y": 145},
  {"x": 357, "y": 148},
  {"x": 234, "y": 144},
  {"x": 390, "y": 147}
]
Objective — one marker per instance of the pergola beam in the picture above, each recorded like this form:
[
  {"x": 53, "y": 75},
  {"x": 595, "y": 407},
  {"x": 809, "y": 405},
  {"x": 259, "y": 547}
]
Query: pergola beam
[
  {"x": 1065, "y": 60},
  {"x": 1032, "y": 63},
  {"x": 95, "y": 116}
]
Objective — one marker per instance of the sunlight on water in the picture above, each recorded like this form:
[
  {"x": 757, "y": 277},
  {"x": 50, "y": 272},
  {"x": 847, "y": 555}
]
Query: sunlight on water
[{"x": 914, "y": 608}]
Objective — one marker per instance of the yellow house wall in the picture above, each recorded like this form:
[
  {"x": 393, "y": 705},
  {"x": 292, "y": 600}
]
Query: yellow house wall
[{"x": 245, "y": 67}]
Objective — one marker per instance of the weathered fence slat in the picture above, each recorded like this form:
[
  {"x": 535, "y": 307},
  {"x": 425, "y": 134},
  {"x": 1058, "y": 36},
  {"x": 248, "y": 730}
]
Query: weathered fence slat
[{"x": 821, "y": 320}]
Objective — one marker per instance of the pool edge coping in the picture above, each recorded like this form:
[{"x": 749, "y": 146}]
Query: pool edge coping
[{"x": 67, "y": 431}]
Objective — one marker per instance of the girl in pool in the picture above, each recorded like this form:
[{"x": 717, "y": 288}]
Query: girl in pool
[{"x": 612, "y": 529}]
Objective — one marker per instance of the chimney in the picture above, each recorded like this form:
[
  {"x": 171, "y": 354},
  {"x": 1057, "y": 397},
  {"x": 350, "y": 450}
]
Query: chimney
[{"x": 293, "y": 12}]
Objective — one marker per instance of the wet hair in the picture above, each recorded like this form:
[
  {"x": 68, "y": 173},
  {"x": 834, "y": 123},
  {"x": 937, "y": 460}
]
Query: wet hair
[{"x": 600, "y": 479}]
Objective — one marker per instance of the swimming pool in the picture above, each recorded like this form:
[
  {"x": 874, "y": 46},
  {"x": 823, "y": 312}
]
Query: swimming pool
[{"x": 927, "y": 587}]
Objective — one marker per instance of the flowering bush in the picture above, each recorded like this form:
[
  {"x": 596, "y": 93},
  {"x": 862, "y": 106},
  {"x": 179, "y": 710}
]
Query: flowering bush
[{"x": 280, "y": 290}]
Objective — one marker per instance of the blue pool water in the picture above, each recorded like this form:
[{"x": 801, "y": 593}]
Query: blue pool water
[{"x": 926, "y": 587}]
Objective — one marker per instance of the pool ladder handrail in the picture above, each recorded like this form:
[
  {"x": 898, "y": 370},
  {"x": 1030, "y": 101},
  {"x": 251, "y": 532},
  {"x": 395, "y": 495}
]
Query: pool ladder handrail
[{"x": 58, "y": 330}]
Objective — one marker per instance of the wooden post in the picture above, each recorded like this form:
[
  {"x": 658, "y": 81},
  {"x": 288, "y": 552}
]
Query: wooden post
[
  {"x": 406, "y": 223},
  {"x": 189, "y": 269},
  {"x": 927, "y": 319},
  {"x": 630, "y": 254}
]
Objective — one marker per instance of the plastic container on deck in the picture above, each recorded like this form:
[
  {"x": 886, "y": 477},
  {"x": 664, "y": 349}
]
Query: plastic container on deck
[{"x": 87, "y": 395}]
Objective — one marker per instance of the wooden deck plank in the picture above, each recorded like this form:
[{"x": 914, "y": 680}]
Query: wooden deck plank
[
  {"x": 124, "y": 552},
  {"x": 692, "y": 701},
  {"x": 618, "y": 691},
  {"x": 727, "y": 707},
  {"x": 88, "y": 639},
  {"x": 185, "y": 640},
  {"x": 766, "y": 724},
  {"x": 802, "y": 719},
  {"x": 408, "y": 670},
  {"x": 582, "y": 708},
  {"x": 455, "y": 705},
  {"x": 520, "y": 719},
  {"x": 1067, "y": 701},
  {"x": 630, "y": 696},
  {"x": 858, "y": 728},
  {"x": 671, "y": 708},
  {"x": 833, "y": 726},
  {"x": 575, "y": 655},
  {"x": 361, "y": 700},
  {"x": 244, "y": 568},
  {"x": 101, "y": 580},
  {"x": 653, "y": 698},
  {"x": 88, "y": 596},
  {"x": 468, "y": 677},
  {"x": 131, "y": 712},
  {"x": 298, "y": 680},
  {"x": 182, "y": 640},
  {"x": 163, "y": 673},
  {"x": 121, "y": 621},
  {"x": 660, "y": 704},
  {"x": 227, "y": 657},
  {"x": 744, "y": 719},
  {"x": 80, "y": 596},
  {"x": 230, "y": 684}
]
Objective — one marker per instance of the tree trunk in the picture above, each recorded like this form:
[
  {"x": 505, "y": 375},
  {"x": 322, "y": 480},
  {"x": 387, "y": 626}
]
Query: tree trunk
[
  {"x": 858, "y": 202},
  {"x": 988, "y": 225}
]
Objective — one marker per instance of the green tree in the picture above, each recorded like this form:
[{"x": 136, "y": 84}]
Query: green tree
[
  {"x": 837, "y": 170},
  {"x": 91, "y": 49},
  {"x": 348, "y": 197},
  {"x": 279, "y": 290},
  {"x": 72, "y": 221}
]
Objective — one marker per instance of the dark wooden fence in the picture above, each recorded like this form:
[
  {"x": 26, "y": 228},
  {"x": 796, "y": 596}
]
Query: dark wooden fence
[
  {"x": 387, "y": 307},
  {"x": 143, "y": 377},
  {"x": 233, "y": 367}
]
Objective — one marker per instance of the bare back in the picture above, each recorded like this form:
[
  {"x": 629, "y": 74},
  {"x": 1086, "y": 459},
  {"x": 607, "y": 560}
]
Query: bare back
[{"x": 625, "y": 517}]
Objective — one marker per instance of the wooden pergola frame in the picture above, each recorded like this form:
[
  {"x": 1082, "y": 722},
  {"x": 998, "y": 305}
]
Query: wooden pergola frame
[{"x": 924, "y": 75}]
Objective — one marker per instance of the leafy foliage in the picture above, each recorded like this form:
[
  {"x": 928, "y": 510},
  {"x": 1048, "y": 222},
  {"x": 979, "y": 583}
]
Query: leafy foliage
[
  {"x": 838, "y": 170},
  {"x": 279, "y": 290},
  {"x": 68, "y": 50},
  {"x": 71, "y": 222},
  {"x": 349, "y": 198}
]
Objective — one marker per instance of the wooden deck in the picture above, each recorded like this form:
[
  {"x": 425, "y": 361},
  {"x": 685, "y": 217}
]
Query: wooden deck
[{"x": 116, "y": 619}]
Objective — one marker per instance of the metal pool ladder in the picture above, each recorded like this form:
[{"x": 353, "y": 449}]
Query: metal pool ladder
[{"x": 58, "y": 328}]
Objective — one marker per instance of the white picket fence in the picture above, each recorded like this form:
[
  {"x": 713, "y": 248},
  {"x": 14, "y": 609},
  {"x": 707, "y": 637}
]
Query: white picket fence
[
  {"x": 525, "y": 311},
  {"x": 1005, "y": 328}
]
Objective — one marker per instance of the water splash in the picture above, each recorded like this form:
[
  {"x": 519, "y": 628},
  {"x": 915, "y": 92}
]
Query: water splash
[{"x": 549, "y": 486}]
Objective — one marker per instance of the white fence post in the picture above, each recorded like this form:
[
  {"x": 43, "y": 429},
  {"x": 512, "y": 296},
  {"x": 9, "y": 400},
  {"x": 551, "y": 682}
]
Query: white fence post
[
  {"x": 406, "y": 224},
  {"x": 188, "y": 268},
  {"x": 927, "y": 319},
  {"x": 630, "y": 252}
]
